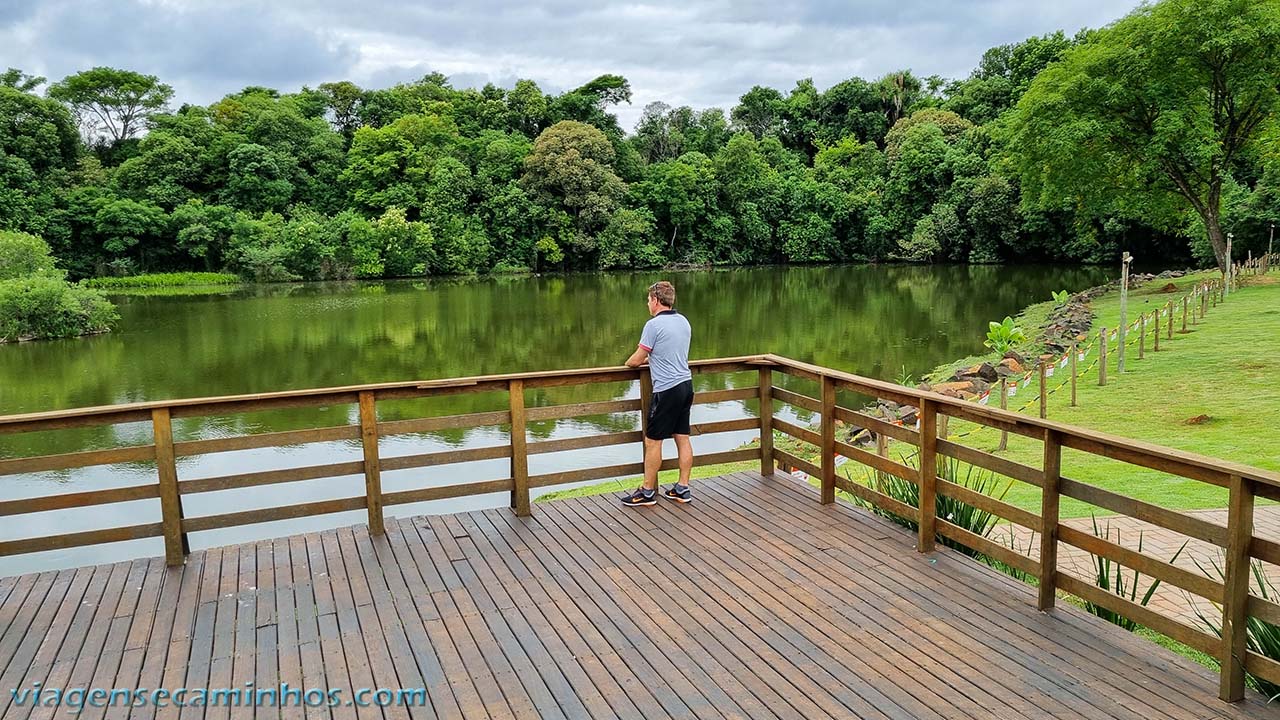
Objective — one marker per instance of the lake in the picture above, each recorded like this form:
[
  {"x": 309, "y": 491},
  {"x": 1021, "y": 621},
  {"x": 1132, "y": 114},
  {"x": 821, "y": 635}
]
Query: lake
[{"x": 880, "y": 321}]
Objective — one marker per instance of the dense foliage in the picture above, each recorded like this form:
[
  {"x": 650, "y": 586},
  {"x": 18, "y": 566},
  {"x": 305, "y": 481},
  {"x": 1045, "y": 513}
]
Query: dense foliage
[
  {"x": 36, "y": 301},
  {"x": 1035, "y": 156}
]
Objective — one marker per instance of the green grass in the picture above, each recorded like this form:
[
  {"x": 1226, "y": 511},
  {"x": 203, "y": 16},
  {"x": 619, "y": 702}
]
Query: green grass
[
  {"x": 1225, "y": 369},
  {"x": 161, "y": 280}
]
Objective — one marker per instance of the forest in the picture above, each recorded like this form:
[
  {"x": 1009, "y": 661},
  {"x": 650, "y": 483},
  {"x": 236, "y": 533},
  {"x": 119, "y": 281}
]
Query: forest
[{"x": 1156, "y": 135}]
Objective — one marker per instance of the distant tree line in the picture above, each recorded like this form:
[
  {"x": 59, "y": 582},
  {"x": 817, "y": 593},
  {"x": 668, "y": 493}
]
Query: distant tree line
[{"x": 1155, "y": 135}]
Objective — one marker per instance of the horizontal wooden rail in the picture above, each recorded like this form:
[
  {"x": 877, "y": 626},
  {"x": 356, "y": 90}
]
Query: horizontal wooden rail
[
  {"x": 265, "y": 440},
  {"x": 800, "y": 401},
  {"x": 1145, "y": 564},
  {"x": 878, "y": 499},
  {"x": 988, "y": 547},
  {"x": 986, "y": 503},
  {"x": 80, "y": 539},
  {"x": 86, "y": 498},
  {"x": 68, "y": 461},
  {"x": 1183, "y": 633}
]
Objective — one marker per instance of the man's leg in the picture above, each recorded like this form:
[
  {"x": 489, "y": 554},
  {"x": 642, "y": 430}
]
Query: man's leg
[
  {"x": 652, "y": 460},
  {"x": 684, "y": 450}
]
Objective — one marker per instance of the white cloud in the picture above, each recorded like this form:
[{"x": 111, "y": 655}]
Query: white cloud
[{"x": 696, "y": 52}]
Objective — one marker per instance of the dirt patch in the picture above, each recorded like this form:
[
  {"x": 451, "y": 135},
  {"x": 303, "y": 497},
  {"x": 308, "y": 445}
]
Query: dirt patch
[
  {"x": 1169, "y": 288},
  {"x": 1253, "y": 366},
  {"x": 1197, "y": 420}
]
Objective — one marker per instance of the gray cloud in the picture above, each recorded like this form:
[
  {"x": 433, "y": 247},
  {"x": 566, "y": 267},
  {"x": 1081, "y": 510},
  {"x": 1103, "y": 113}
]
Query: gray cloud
[{"x": 696, "y": 52}]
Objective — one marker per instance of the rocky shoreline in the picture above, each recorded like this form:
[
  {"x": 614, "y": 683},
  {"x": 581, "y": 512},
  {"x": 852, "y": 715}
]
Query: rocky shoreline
[{"x": 1069, "y": 322}]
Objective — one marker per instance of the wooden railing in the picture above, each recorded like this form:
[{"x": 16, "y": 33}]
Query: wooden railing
[{"x": 1236, "y": 538}]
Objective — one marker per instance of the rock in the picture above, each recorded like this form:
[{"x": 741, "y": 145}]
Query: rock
[
  {"x": 1013, "y": 355},
  {"x": 984, "y": 371},
  {"x": 953, "y": 389},
  {"x": 1010, "y": 366}
]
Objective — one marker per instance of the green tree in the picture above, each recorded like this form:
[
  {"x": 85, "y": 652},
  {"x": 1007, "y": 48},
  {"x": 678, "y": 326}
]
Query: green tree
[
  {"x": 571, "y": 170},
  {"x": 1150, "y": 115},
  {"x": 20, "y": 81},
  {"x": 112, "y": 103},
  {"x": 759, "y": 111}
]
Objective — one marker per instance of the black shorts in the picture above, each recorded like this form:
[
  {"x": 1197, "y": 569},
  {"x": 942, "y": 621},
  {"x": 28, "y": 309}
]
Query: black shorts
[{"x": 669, "y": 412}]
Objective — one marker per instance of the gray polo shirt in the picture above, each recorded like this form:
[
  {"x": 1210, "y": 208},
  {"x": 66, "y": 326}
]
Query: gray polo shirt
[{"x": 666, "y": 338}]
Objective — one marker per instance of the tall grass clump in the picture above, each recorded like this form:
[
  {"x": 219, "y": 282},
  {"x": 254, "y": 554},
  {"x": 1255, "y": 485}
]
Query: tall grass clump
[
  {"x": 979, "y": 522},
  {"x": 161, "y": 280},
  {"x": 1261, "y": 637}
]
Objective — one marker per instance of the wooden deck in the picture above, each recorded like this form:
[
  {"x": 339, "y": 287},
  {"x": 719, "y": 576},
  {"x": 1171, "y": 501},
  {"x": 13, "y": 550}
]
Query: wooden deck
[{"x": 754, "y": 601}]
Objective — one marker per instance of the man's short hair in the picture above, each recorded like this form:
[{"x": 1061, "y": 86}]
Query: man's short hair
[{"x": 664, "y": 292}]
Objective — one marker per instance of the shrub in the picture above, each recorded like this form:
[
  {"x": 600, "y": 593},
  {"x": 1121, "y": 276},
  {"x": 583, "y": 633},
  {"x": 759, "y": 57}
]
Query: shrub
[
  {"x": 46, "y": 306},
  {"x": 22, "y": 254},
  {"x": 1004, "y": 336}
]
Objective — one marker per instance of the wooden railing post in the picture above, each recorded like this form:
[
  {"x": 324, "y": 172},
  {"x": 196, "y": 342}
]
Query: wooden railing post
[
  {"x": 828, "y": 440},
  {"x": 372, "y": 467},
  {"x": 766, "y": 421},
  {"x": 1049, "y": 500},
  {"x": 1142, "y": 336},
  {"x": 1236, "y": 598},
  {"x": 175, "y": 540},
  {"x": 928, "y": 474},
  {"x": 519, "y": 453}
]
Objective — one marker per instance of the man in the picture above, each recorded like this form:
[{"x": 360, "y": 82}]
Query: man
[{"x": 664, "y": 345}]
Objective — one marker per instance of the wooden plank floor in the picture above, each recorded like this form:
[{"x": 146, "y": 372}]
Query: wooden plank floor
[{"x": 753, "y": 601}]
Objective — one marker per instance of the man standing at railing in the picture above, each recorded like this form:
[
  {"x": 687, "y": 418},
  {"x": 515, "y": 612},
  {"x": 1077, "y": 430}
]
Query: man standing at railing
[{"x": 664, "y": 345}]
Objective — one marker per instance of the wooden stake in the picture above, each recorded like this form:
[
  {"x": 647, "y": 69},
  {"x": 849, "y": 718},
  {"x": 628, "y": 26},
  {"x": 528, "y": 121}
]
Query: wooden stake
[
  {"x": 1004, "y": 405},
  {"x": 1074, "y": 353},
  {"x": 1044, "y": 393},
  {"x": 1142, "y": 336},
  {"x": 1102, "y": 356}
]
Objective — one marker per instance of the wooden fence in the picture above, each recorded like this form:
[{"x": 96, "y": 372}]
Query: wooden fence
[{"x": 1236, "y": 538}]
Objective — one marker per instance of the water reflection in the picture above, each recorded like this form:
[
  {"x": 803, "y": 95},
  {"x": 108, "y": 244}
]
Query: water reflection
[{"x": 873, "y": 320}]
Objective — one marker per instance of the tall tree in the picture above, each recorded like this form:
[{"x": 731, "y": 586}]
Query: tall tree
[
  {"x": 1150, "y": 115},
  {"x": 112, "y": 103}
]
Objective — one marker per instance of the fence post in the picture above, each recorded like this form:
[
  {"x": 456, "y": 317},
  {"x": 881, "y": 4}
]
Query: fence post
[
  {"x": 1049, "y": 498},
  {"x": 1004, "y": 405},
  {"x": 1142, "y": 336},
  {"x": 1075, "y": 352},
  {"x": 1102, "y": 356},
  {"x": 175, "y": 540},
  {"x": 372, "y": 469},
  {"x": 828, "y": 440},
  {"x": 519, "y": 453},
  {"x": 766, "y": 421},
  {"x": 1169, "y": 308},
  {"x": 1044, "y": 392},
  {"x": 1204, "y": 301},
  {"x": 1184, "y": 314},
  {"x": 928, "y": 475},
  {"x": 1155, "y": 337},
  {"x": 1236, "y": 598}
]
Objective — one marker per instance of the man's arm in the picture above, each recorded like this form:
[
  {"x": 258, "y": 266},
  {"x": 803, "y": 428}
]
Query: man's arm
[{"x": 639, "y": 357}]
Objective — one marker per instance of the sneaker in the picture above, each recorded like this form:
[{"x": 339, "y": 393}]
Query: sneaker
[
  {"x": 640, "y": 497},
  {"x": 679, "y": 493}
]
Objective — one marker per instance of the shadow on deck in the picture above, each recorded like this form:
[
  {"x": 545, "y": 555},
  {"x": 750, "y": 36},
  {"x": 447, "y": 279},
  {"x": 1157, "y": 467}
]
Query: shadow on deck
[{"x": 754, "y": 601}]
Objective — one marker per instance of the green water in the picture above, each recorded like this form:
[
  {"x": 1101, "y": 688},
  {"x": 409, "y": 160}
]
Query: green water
[{"x": 879, "y": 321}]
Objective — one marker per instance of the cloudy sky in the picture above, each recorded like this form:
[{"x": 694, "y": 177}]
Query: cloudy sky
[{"x": 695, "y": 52}]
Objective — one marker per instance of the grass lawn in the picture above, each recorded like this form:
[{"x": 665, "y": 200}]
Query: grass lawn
[{"x": 1225, "y": 368}]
